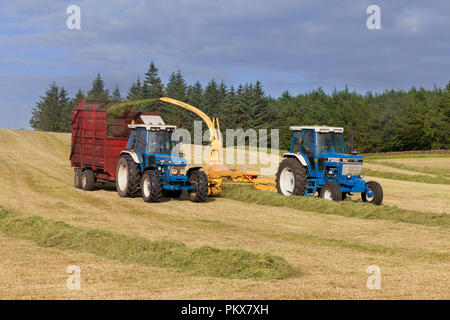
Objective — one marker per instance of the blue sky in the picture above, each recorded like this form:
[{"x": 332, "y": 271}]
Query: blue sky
[{"x": 290, "y": 45}]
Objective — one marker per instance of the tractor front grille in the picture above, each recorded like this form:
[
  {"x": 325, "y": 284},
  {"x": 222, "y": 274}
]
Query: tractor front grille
[{"x": 353, "y": 169}]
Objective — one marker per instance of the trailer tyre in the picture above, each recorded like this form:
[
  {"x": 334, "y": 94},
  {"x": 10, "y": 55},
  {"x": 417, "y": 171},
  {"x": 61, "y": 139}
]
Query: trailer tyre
[
  {"x": 377, "y": 197},
  {"x": 151, "y": 186},
  {"x": 77, "y": 179},
  {"x": 199, "y": 179},
  {"x": 87, "y": 180},
  {"x": 291, "y": 177},
  {"x": 331, "y": 191},
  {"x": 128, "y": 176}
]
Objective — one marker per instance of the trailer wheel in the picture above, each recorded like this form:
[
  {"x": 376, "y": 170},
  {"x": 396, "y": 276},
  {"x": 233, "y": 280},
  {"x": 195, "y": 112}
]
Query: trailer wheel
[
  {"x": 87, "y": 180},
  {"x": 199, "y": 179},
  {"x": 172, "y": 193},
  {"x": 331, "y": 191},
  {"x": 128, "y": 176},
  {"x": 77, "y": 178},
  {"x": 291, "y": 177},
  {"x": 377, "y": 197},
  {"x": 151, "y": 186}
]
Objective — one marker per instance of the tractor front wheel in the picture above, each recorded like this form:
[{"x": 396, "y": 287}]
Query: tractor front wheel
[
  {"x": 151, "y": 187},
  {"x": 291, "y": 177},
  {"x": 331, "y": 191},
  {"x": 128, "y": 176},
  {"x": 200, "y": 180},
  {"x": 377, "y": 197}
]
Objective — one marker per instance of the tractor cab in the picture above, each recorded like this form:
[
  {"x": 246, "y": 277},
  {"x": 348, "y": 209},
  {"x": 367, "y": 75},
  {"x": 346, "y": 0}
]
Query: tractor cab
[{"x": 318, "y": 162}]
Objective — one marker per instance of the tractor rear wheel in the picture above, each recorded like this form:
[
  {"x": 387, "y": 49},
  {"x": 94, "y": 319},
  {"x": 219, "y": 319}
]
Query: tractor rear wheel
[
  {"x": 172, "y": 193},
  {"x": 151, "y": 186},
  {"x": 377, "y": 191},
  {"x": 77, "y": 179},
  {"x": 291, "y": 177},
  {"x": 87, "y": 180},
  {"x": 128, "y": 176},
  {"x": 199, "y": 179},
  {"x": 331, "y": 191}
]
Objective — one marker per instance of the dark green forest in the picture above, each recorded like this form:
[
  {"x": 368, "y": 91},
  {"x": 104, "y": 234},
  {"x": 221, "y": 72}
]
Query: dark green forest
[{"x": 394, "y": 120}]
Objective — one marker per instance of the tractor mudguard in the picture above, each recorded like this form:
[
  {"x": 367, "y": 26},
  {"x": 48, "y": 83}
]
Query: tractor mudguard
[
  {"x": 294, "y": 155},
  {"x": 133, "y": 155},
  {"x": 188, "y": 173}
]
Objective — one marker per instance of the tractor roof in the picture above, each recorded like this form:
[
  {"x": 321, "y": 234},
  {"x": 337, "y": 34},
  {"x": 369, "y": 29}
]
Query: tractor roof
[
  {"x": 317, "y": 128},
  {"x": 151, "y": 122}
]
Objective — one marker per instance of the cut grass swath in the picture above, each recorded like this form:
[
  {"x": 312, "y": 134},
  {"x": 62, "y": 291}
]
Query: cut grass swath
[
  {"x": 343, "y": 208},
  {"x": 204, "y": 261},
  {"x": 406, "y": 177},
  {"x": 435, "y": 171}
]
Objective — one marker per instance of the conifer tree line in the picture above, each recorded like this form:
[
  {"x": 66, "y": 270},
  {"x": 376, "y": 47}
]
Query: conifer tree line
[{"x": 394, "y": 120}]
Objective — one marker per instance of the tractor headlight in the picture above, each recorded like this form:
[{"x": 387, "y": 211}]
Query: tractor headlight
[
  {"x": 174, "y": 171},
  {"x": 349, "y": 176},
  {"x": 182, "y": 171},
  {"x": 361, "y": 176}
]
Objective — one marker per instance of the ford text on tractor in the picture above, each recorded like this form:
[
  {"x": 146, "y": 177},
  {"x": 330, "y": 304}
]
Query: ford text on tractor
[{"x": 318, "y": 162}]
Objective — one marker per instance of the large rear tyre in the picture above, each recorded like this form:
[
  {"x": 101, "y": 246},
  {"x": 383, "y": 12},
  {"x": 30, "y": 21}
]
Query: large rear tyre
[
  {"x": 377, "y": 191},
  {"x": 128, "y": 176},
  {"x": 331, "y": 191},
  {"x": 77, "y": 178},
  {"x": 291, "y": 177},
  {"x": 87, "y": 180},
  {"x": 151, "y": 186},
  {"x": 199, "y": 179}
]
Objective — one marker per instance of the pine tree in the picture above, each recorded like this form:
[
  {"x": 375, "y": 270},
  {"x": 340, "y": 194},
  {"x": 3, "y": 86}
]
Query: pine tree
[
  {"x": 177, "y": 88},
  {"x": 194, "y": 95},
  {"x": 135, "y": 92},
  {"x": 79, "y": 96},
  {"x": 51, "y": 112},
  {"x": 211, "y": 99},
  {"x": 116, "y": 94},
  {"x": 98, "y": 90},
  {"x": 153, "y": 87},
  {"x": 66, "y": 106}
]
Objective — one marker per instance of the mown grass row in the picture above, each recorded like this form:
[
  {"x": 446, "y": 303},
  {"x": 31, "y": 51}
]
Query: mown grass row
[
  {"x": 420, "y": 169},
  {"x": 204, "y": 261},
  {"x": 343, "y": 208},
  {"x": 406, "y": 177}
]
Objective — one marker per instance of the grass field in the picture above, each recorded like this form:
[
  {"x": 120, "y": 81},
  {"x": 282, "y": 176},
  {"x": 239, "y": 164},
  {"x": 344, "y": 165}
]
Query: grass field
[{"x": 268, "y": 247}]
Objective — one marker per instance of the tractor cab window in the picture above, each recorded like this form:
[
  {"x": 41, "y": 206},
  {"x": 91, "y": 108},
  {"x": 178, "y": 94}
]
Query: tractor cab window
[
  {"x": 296, "y": 143},
  {"x": 330, "y": 143},
  {"x": 308, "y": 142},
  {"x": 141, "y": 136},
  {"x": 160, "y": 142}
]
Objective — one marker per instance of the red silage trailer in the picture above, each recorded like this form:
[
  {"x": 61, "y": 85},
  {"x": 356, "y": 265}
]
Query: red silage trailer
[{"x": 97, "y": 142}]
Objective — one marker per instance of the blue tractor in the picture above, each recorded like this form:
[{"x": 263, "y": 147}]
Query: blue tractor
[
  {"x": 318, "y": 162},
  {"x": 153, "y": 165}
]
